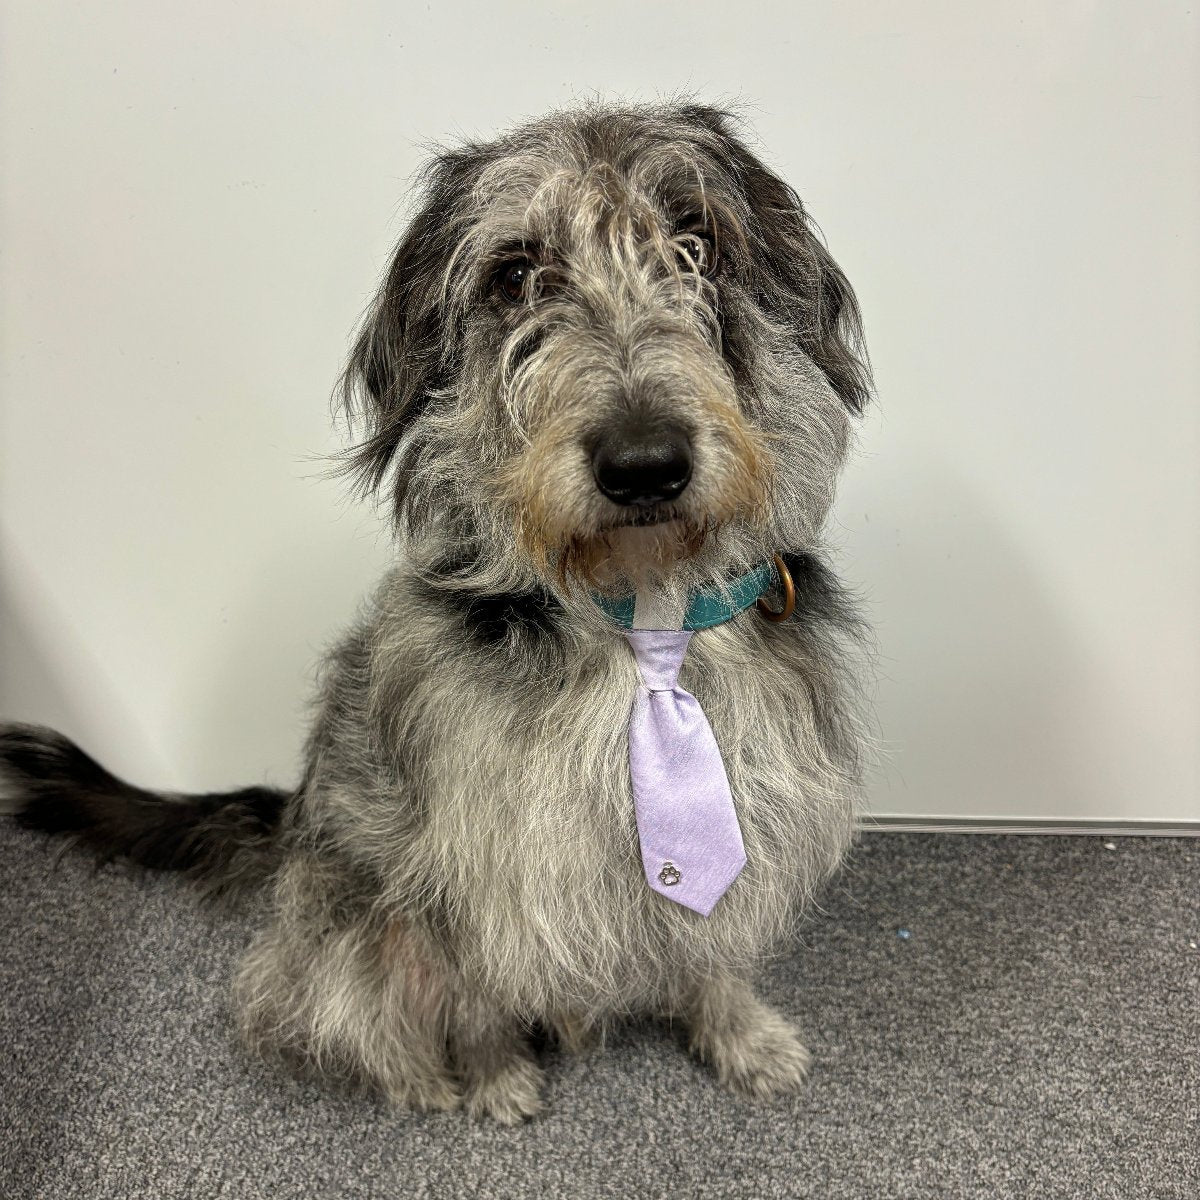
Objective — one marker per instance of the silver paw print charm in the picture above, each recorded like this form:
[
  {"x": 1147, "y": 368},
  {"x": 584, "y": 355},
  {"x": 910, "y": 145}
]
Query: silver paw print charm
[{"x": 669, "y": 876}]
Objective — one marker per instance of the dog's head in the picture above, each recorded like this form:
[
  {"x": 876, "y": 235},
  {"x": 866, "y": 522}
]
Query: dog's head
[{"x": 610, "y": 346}]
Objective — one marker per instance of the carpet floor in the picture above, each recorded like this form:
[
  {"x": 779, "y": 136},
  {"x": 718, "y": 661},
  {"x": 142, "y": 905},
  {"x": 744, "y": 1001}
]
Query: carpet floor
[{"x": 990, "y": 1017}]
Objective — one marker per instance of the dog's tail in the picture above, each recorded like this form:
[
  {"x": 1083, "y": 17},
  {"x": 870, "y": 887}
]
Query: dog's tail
[{"x": 227, "y": 841}]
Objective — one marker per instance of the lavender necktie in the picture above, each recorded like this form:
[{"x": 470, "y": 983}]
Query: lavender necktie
[{"x": 691, "y": 845}]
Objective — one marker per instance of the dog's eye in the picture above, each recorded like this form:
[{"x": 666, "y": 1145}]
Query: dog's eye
[
  {"x": 701, "y": 248},
  {"x": 512, "y": 280}
]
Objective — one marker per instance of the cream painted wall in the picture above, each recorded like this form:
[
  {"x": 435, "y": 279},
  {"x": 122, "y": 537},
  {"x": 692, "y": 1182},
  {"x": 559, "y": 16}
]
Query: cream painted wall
[{"x": 196, "y": 201}]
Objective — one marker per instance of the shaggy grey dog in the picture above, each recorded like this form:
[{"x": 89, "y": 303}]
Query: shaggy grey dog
[{"x": 610, "y": 355}]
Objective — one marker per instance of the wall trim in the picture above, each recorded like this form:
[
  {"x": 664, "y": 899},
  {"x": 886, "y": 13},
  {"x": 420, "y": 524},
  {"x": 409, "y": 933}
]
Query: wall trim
[{"x": 883, "y": 823}]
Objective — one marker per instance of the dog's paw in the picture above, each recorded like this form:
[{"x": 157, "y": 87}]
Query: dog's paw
[
  {"x": 575, "y": 1034},
  {"x": 762, "y": 1058},
  {"x": 433, "y": 1094},
  {"x": 443, "y": 1097},
  {"x": 510, "y": 1095}
]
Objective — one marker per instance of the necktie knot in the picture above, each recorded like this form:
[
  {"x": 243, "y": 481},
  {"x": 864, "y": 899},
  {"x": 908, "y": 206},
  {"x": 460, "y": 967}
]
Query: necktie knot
[{"x": 659, "y": 654}]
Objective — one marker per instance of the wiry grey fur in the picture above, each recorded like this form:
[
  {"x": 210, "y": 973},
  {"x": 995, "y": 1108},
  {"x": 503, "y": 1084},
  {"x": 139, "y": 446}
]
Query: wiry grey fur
[{"x": 460, "y": 862}]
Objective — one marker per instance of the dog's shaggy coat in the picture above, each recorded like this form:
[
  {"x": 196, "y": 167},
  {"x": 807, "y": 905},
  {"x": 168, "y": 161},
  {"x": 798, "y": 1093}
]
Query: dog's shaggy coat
[{"x": 460, "y": 862}]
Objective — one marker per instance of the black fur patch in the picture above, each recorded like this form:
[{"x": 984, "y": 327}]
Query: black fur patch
[
  {"x": 820, "y": 596},
  {"x": 492, "y": 620}
]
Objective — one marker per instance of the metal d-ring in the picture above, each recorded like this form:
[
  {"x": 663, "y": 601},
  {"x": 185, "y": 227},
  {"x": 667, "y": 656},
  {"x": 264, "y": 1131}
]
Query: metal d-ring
[{"x": 789, "y": 595}]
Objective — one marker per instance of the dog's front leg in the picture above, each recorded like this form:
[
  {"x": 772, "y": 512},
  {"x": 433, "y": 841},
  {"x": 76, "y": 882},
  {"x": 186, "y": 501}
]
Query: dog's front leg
[
  {"x": 490, "y": 1051},
  {"x": 336, "y": 992},
  {"x": 753, "y": 1048}
]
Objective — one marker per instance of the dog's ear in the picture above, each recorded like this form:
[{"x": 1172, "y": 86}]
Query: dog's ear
[
  {"x": 795, "y": 279},
  {"x": 805, "y": 288},
  {"x": 405, "y": 351}
]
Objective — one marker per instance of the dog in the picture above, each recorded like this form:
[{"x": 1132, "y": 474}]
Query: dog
[{"x": 610, "y": 358}]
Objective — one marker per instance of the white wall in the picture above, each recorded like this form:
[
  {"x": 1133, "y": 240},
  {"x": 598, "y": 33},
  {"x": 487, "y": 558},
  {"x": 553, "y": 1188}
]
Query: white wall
[{"x": 196, "y": 200}]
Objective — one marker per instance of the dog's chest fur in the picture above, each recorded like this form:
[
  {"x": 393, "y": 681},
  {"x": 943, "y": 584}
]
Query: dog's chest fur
[{"x": 502, "y": 812}]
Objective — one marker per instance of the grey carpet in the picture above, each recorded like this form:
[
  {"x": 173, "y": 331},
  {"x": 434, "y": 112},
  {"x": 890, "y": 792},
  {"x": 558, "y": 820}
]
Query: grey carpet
[{"x": 1037, "y": 1035}]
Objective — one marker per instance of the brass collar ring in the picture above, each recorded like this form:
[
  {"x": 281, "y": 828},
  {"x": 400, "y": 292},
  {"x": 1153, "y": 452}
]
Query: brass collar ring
[{"x": 789, "y": 595}]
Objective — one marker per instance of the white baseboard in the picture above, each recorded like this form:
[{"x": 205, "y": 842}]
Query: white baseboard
[{"x": 883, "y": 823}]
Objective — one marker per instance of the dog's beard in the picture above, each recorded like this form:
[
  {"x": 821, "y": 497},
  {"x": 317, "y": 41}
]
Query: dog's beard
[{"x": 631, "y": 556}]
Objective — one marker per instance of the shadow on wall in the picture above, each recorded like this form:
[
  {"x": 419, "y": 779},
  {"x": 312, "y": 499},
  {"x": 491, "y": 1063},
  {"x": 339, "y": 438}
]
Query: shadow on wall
[
  {"x": 283, "y": 614},
  {"x": 989, "y": 699},
  {"x": 42, "y": 653}
]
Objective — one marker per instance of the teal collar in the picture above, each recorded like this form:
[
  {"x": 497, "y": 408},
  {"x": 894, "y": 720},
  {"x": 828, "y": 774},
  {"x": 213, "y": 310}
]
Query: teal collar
[{"x": 706, "y": 608}]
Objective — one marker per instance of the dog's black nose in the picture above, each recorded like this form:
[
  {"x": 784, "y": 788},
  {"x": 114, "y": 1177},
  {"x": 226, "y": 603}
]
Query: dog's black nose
[{"x": 643, "y": 466}]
